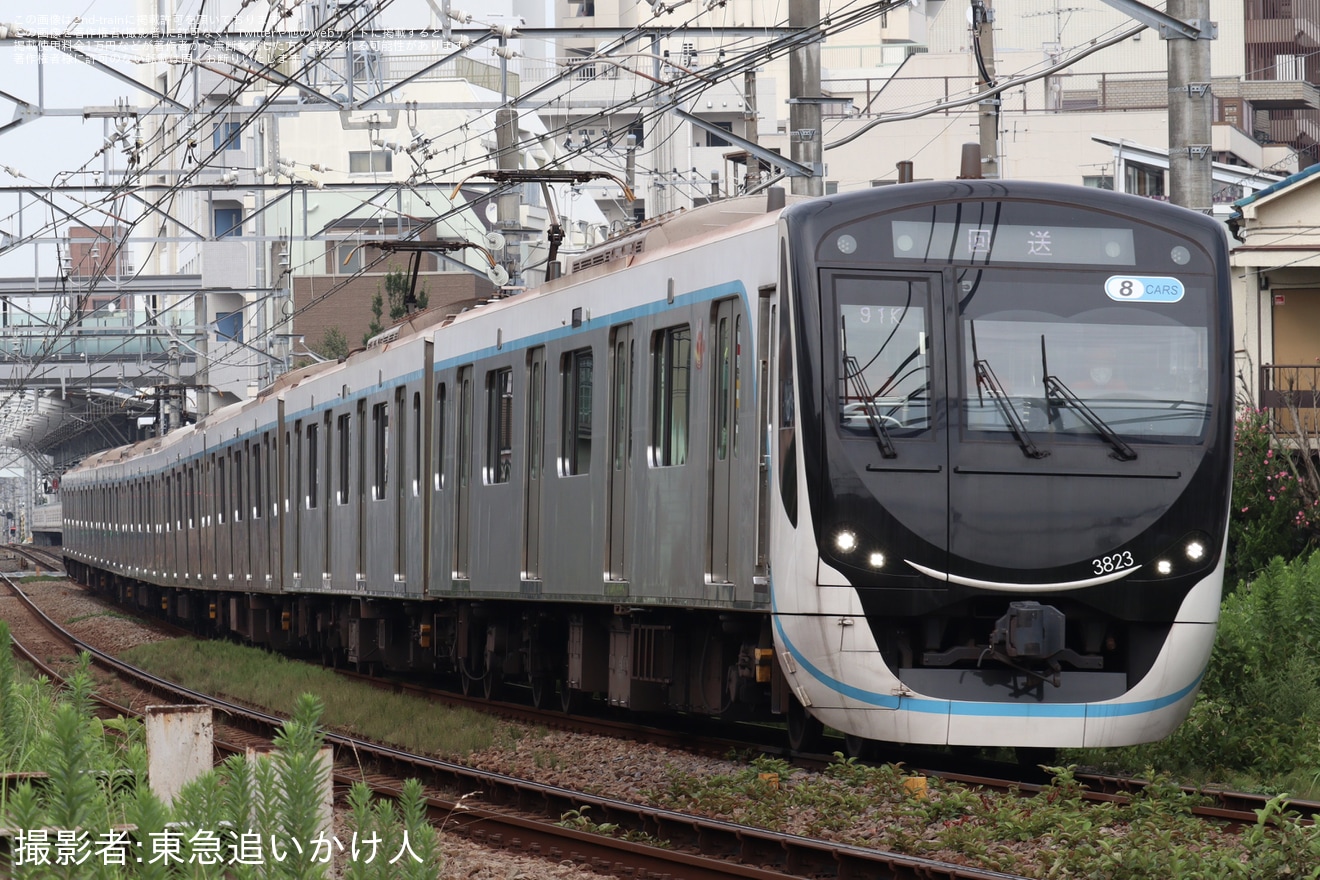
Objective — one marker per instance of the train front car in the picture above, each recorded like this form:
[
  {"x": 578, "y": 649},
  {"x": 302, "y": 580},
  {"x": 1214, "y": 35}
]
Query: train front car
[{"x": 1003, "y": 462}]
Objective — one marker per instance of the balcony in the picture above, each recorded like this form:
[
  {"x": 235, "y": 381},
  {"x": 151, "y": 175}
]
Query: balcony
[{"x": 1292, "y": 393}]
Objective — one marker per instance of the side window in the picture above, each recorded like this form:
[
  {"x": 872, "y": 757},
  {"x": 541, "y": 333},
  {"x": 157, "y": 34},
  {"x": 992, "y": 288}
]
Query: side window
[
  {"x": 344, "y": 425},
  {"x": 258, "y": 496},
  {"x": 499, "y": 437},
  {"x": 313, "y": 465},
  {"x": 417, "y": 443},
  {"x": 576, "y": 440},
  {"x": 240, "y": 486},
  {"x": 297, "y": 469},
  {"x": 438, "y": 471},
  {"x": 380, "y": 424},
  {"x": 787, "y": 400},
  {"x": 671, "y": 364}
]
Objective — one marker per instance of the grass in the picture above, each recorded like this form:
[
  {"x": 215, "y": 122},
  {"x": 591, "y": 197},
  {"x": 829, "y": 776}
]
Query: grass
[
  {"x": 269, "y": 680},
  {"x": 114, "y": 615}
]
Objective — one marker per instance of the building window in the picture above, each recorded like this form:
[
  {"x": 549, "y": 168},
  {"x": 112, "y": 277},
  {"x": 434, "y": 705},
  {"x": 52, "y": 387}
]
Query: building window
[
  {"x": 346, "y": 257},
  {"x": 225, "y": 136},
  {"x": 228, "y": 222},
  {"x": 714, "y": 140},
  {"x": 576, "y": 445},
  {"x": 1098, "y": 181},
  {"x": 499, "y": 439},
  {"x": 671, "y": 356},
  {"x": 1142, "y": 181},
  {"x": 370, "y": 161},
  {"x": 229, "y": 325}
]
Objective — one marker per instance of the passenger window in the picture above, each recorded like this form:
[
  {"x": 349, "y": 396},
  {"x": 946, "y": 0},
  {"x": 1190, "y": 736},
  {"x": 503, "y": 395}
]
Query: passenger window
[
  {"x": 576, "y": 435},
  {"x": 671, "y": 365}
]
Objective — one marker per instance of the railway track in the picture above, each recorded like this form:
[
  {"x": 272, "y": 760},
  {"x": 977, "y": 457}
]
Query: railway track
[
  {"x": 523, "y": 815},
  {"x": 1234, "y": 808},
  {"x": 45, "y": 559}
]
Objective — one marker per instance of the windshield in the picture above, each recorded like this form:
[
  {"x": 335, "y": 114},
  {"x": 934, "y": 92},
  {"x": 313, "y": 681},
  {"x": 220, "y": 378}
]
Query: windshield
[
  {"x": 882, "y": 333},
  {"x": 1141, "y": 368}
]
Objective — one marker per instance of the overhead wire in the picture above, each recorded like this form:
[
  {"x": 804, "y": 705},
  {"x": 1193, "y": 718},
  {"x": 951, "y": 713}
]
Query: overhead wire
[{"x": 59, "y": 332}]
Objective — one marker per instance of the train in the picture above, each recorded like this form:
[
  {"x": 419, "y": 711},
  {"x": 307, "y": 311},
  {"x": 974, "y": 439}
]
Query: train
[{"x": 943, "y": 463}]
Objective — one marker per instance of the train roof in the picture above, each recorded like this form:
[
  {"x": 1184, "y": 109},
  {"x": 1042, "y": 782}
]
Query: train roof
[
  {"x": 679, "y": 226},
  {"x": 726, "y": 216}
]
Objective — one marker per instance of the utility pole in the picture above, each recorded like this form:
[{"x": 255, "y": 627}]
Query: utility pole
[
  {"x": 804, "y": 106},
  {"x": 983, "y": 30},
  {"x": 509, "y": 203},
  {"x": 1188, "y": 28},
  {"x": 1190, "y": 111},
  {"x": 753, "y": 178}
]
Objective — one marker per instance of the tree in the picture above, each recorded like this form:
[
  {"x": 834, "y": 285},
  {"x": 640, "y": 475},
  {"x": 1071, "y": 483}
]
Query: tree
[
  {"x": 333, "y": 345},
  {"x": 396, "y": 292},
  {"x": 375, "y": 326}
]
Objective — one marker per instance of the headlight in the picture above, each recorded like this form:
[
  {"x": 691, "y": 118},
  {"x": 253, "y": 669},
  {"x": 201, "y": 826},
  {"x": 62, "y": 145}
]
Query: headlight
[
  {"x": 1189, "y": 553},
  {"x": 876, "y": 559},
  {"x": 845, "y": 541}
]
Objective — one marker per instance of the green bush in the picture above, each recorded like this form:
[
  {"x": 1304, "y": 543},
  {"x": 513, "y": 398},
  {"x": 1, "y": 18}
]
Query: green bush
[
  {"x": 1258, "y": 711},
  {"x": 1270, "y": 514},
  {"x": 96, "y": 800}
]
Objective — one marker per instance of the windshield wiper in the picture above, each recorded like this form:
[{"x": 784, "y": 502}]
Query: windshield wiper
[
  {"x": 856, "y": 381},
  {"x": 986, "y": 379},
  {"x": 1056, "y": 392},
  {"x": 853, "y": 374}
]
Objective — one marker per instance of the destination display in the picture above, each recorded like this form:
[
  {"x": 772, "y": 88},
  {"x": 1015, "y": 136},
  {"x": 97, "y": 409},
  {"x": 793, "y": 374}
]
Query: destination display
[{"x": 1003, "y": 243}]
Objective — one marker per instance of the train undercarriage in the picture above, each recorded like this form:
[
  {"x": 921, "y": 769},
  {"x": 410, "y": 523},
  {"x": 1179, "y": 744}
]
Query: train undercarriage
[{"x": 642, "y": 659}]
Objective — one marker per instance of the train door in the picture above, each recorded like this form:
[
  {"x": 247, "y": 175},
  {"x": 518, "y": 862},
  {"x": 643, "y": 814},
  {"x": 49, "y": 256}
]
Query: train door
[
  {"x": 726, "y": 379},
  {"x": 887, "y": 401},
  {"x": 621, "y": 379},
  {"x": 535, "y": 462},
  {"x": 463, "y": 473}
]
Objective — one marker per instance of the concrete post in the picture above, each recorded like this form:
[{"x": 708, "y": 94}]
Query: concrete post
[
  {"x": 180, "y": 745},
  {"x": 1191, "y": 107},
  {"x": 804, "y": 132}
]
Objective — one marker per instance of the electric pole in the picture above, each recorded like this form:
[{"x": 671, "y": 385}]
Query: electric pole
[
  {"x": 983, "y": 44},
  {"x": 1189, "y": 30},
  {"x": 1190, "y": 111},
  {"x": 804, "y": 106}
]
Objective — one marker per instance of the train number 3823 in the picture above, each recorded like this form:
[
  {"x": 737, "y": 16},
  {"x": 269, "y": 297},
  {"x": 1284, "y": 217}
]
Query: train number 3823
[{"x": 1112, "y": 563}]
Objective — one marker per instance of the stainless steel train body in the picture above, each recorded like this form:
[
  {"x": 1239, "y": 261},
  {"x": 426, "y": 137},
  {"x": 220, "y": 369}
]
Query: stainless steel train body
[
  {"x": 745, "y": 462},
  {"x": 566, "y": 486}
]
